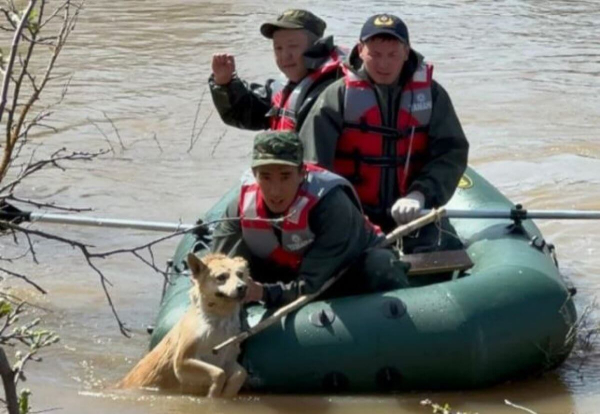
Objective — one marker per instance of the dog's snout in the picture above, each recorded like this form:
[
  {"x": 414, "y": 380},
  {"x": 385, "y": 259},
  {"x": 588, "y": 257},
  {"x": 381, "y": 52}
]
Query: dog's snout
[{"x": 241, "y": 289}]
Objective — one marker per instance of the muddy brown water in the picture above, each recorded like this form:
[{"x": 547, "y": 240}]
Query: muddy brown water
[{"x": 524, "y": 79}]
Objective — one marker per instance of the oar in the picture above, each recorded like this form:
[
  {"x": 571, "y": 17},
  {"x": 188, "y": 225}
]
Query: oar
[{"x": 400, "y": 231}]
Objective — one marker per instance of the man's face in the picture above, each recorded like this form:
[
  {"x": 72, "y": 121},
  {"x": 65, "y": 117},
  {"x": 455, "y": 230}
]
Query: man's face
[
  {"x": 279, "y": 185},
  {"x": 289, "y": 46},
  {"x": 383, "y": 59}
]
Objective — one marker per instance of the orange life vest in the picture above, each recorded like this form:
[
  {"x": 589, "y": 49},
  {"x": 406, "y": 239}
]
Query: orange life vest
[
  {"x": 360, "y": 152},
  {"x": 296, "y": 236},
  {"x": 287, "y": 101}
]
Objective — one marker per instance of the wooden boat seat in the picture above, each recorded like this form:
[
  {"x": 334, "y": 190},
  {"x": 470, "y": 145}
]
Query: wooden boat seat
[{"x": 437, "y": 262}]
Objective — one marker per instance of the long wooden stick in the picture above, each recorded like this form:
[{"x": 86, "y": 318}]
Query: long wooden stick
[
  {"x": 405, "y": 229},
  {"x": 304, "y": 299}
]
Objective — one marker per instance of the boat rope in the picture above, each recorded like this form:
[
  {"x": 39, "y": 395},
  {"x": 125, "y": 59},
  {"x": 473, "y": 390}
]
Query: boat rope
[{"x": 438, "y": 224}]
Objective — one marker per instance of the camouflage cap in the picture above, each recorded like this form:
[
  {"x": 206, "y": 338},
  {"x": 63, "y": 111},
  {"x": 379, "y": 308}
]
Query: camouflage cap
[
  {"x": 277, "y": 147},
  {"x": 294, "y": 19}
]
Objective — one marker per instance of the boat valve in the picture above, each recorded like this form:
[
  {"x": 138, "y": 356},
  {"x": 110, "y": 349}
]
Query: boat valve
[
  {"x": 167, "y": 281},
  {"x": 552, "y": 249},
  {"x": 538, "y": 243},
  {"x": 394, "y": 308},
  {"x": 322, "y": 318}
]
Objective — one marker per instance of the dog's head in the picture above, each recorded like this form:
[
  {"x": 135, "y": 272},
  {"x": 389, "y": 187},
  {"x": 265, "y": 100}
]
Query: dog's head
[{"x": 219, "y": 280}]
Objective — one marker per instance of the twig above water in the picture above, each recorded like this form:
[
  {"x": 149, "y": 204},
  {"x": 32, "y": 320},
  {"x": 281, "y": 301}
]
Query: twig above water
[
  {"x": 112, "y": 149},
  {"x": 210, "y": 114},
  {"x": 24, "y": 278},
  {"x": 219, "y": 139},
  {"x": 519, "y": 407},
  {"x": 196, "y": 117},
  {"x": 155, "y": 138},
  {"x": 115, "y": 129}
]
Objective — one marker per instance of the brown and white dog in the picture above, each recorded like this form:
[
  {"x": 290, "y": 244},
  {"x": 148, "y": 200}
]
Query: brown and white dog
[{"x": 183, "y": 360}]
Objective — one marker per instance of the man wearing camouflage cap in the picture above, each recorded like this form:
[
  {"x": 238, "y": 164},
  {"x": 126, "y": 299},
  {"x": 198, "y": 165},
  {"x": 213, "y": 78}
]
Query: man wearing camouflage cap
[
  {"x": 391, "y": 130},
  {"x": 298, "y": 225},
  {"x": 308, "y": 61}
]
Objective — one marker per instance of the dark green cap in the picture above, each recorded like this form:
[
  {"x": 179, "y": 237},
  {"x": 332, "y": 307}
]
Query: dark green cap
[
  {"x": 277, "y": 147},
  {"x": 294, "y": 19}
]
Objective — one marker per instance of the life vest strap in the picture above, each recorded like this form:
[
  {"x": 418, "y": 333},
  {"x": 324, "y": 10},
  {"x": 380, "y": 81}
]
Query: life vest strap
[
  {"x": 387, "y": 132},
  {"x": 374, "y": 161},
  {"x": 279, "y": 112},
  {"x": 377, "y": 161}
]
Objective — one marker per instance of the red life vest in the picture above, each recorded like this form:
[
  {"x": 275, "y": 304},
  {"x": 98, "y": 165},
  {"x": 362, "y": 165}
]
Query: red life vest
[
  {"x": 360, "y": 152},
  {"x": 296, "y": 236},
  {"x": 286, "y": 102}
]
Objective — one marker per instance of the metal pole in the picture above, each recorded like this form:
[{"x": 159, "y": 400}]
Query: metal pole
[
  {"x": 511, "y": 214},
  {"x": 524, "y": 214},
  {"x": 112, "y": 223}
]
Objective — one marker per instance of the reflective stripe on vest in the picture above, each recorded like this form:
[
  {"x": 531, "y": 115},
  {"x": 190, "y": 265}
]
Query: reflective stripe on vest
[
  {"x": 286, "y": 103},
  {"x": 296, "y": 236},
  {"x": 360, "y": 150}
]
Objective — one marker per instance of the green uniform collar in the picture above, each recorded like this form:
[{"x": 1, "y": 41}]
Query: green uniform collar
[{"x": 318, "y": 53}]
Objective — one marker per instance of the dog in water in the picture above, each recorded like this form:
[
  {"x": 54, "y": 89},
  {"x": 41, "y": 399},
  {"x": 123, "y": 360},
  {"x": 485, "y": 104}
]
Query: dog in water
[{"x": 183, "y": 361}]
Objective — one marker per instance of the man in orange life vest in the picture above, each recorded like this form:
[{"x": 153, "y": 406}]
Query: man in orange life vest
[
  {"x": 300, "y": 224},
  {"x": 392, "y": 131},
  {"x": 309, "y": 62}
]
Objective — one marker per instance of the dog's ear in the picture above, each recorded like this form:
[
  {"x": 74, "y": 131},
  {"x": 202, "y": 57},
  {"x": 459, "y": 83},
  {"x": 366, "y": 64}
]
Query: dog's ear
[{"x": 197, "y": 266}]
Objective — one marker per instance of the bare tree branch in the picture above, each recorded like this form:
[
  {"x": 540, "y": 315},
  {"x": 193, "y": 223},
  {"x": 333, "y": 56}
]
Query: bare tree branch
[
  {"x": 15, "y": 258},
  {"x": 196, "y": 117},
  {"x": 16, "y": 300},
  {"x": 157, "y": 143},
  {"x": 13, "y": 128},
  {"x": 21, "y": 89},
  {"x": 219, "y": 139},
  {"x": 84, "y": 248},
  {"x": 10, "y": 389},
  {"x": 112, "y": 149},
  {"x": 115, "y": 129},
  {"x": 13, "y": 52},
  {"x": 210, "y": 114},
  {"x": 56, "y": 12},
  {"x": 24, "y": 278},
  {"x": 53, "y": 161},
  {"x": 13, "y": 131},
  {"x": 45, "y": 205}
]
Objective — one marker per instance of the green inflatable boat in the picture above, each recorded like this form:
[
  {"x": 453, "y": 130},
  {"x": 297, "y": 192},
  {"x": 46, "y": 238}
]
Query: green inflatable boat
[{"x": 508, "y": 316}]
